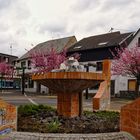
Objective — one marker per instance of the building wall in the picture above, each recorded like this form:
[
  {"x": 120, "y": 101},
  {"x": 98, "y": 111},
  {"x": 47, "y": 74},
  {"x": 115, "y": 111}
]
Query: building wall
[
  {"x": 134, "y": 41},
  {"x": 7, "y": 58},
  {"x": 121, "y": 82}
]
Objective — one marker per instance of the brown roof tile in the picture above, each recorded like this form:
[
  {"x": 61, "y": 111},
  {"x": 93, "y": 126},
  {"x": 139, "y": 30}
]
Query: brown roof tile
[{"x": 99, "y": 41}]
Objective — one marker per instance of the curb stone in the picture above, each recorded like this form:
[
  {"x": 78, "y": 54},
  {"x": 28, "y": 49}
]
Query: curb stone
[{"x": 48, "y": 136}]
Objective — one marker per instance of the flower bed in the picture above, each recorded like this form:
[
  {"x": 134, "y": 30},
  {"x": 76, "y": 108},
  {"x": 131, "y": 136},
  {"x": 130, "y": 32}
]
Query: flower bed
[{"x": 44, "y": 119}]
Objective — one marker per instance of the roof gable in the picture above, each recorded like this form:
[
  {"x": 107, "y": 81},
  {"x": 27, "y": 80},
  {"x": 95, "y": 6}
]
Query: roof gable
[{"x": 58, "y": 44}]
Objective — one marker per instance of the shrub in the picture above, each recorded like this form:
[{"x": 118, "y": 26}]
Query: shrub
[
  {"x": 46, "y": 108},
  {"x": 103, "y": 114},
  {"x": 27, "y": 110},
  {"x": 88, "y": 113},
  {"x": 107, "y": 114},
  {"x": 53, "y": 126}
]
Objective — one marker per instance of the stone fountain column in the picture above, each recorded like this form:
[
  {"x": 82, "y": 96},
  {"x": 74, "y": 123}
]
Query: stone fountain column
[{"x": 68, "y": 104}]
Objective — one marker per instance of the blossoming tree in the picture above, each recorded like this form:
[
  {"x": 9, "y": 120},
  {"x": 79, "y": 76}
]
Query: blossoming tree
[
  {"x": 49, "y": 60},
  {"x": 6, "y": 71},
  {"x": 127, "y": 63}
]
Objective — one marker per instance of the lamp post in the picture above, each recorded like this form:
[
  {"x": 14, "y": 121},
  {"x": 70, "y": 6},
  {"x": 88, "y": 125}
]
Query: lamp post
[{"x": 22, "y": 78}]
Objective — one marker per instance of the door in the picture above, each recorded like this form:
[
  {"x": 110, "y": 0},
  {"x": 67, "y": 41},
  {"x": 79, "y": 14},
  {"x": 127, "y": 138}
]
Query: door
[
  {"x": 131, "y": 85},
  {"x": 38, "y": 87}
]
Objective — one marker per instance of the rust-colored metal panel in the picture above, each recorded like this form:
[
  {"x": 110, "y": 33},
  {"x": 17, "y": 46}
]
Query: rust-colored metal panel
[{"x": 69, "y": 75}]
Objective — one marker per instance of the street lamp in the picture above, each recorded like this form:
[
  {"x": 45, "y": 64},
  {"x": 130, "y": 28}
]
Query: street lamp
[{"x": 22, "y": 78}]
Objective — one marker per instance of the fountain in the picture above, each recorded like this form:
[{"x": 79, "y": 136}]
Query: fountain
[{"x": 69, "y": 85}]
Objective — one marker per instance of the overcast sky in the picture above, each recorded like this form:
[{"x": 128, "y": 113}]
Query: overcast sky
[{"x": 25, "y": 23}]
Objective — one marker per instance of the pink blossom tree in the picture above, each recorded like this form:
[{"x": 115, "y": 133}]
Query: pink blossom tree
[
  {"x": 49, "y": 60},
  {"x": 127, "y": 63},
  {"x": 6, "y": 71}
]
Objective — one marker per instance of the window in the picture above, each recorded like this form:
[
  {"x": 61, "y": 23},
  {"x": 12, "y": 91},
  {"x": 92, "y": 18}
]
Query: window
[
  {"x": 29, "y": 63},
  {"x": 6, "y": 59},
  {"x": 14, "y": 62},
  {"x": 23, "y": 64},
  {"x": 139, "y": 41},
  {"x": 31, "y": 83},
  {"x": 99, "y": 66}
]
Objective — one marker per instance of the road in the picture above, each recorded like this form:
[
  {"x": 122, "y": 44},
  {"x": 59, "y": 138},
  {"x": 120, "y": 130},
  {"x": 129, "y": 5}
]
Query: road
[{"x": 16, "y": 98}]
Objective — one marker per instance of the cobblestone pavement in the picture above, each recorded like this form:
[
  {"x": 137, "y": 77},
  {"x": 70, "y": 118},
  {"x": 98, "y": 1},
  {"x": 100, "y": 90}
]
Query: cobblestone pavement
[{"x": 38, "y": 136}]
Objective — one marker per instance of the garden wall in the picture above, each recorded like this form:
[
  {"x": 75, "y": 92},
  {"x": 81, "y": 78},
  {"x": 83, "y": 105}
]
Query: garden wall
[
  {"x": 101, "y": 101},
  {"x": 8, "y": 117},
  {"x": 130, "y": 118}
]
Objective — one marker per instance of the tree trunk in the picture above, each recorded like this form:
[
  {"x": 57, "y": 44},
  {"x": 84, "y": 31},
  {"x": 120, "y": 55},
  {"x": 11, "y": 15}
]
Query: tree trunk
[{"x": 137, "y": 87}]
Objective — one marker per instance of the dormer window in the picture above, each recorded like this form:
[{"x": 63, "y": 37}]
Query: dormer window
[
  {"x": 102, "y": 43},
  {"x": 77, "y": 47}
]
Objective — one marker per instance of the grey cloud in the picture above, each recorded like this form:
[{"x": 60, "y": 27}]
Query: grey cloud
[
  {"x": 4, "y": 38},
  {"x": 51, "y": 28},
  {"x": 83, "y": 5},
  {"x": 21, "y": 32},
  {"x": 21, "y": 10},
  {"x": 111, "y": 4},
  {"x": 100, "y": 23},
  {"x": 4, "y": 27},
  {"x": 4, "y": 3}
]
